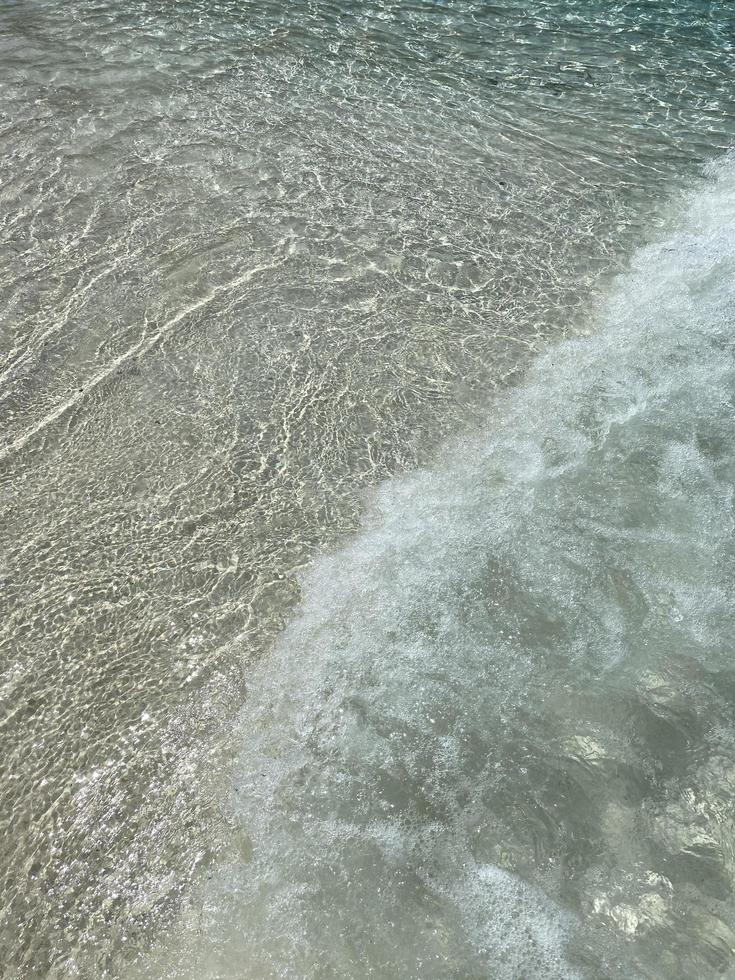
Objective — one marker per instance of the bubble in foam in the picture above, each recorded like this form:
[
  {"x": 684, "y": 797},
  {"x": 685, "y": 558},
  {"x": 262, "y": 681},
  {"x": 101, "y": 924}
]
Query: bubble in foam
[{"x": 513, "y": 924}]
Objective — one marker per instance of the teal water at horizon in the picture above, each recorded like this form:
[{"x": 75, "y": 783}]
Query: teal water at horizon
[{"x": 259, "y": 260}]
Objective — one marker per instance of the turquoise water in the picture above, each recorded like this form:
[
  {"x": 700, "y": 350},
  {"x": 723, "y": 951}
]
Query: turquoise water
[{"x": 288, "y": 689}]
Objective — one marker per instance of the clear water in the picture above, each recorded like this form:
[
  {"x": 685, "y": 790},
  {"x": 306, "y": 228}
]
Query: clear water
[
  {"x": 258, "y": 258},
  {"x": 516, "y": 681}
]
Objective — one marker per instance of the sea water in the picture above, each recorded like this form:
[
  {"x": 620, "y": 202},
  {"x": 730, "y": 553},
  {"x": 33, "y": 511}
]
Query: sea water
[
  {"x": 258, "y": 258},
  {"x": 496, "y": 739}
]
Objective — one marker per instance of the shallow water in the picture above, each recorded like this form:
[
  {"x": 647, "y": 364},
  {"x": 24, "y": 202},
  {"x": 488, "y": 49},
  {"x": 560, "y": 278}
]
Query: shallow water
[
  {"x": 497, "y": 738},
  {"x": 257, "y": 258}
]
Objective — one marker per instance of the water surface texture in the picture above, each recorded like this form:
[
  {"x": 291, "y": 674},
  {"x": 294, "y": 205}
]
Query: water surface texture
[{"x": 259, "y": 257}]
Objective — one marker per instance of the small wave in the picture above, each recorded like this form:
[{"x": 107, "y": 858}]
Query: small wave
[{"x": 496, "y": 740}]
